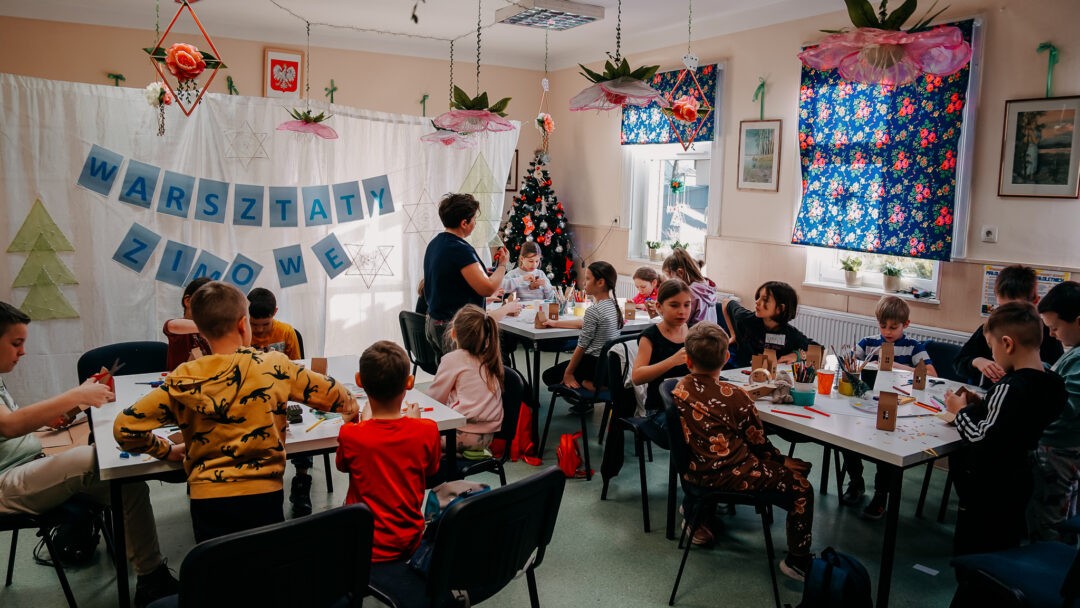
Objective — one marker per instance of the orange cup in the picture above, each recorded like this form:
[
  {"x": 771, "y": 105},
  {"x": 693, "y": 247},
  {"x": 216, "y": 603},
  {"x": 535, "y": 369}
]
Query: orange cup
[{"x": 825, "y": 382}]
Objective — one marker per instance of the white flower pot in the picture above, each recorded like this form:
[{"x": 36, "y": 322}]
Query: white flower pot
[
  {"x": 890, "y": 284},
  {"x": 851, "y": 278},
  {"x": 654, "y": 255}
]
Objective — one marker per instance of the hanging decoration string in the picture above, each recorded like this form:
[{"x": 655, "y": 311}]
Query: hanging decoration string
[
  {"x": 618, "y": 35},
  {"x": 689, "y": 26},
  {"x": 1052, "y": 59},
  {"x": 307, "y": 66},
  {"x": 451, "y": 71},
  {"x": 479, "y": 5}
]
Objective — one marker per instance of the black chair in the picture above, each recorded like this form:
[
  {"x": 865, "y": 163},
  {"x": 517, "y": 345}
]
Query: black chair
[
  {"x": 137, "y": 357},
  {"x": 1038, "y": 575},
  {"x": 299, "y": 342},
  {"x": 43, "y": 524},
  {"x": 709, "y": 499},
  {"x": 482, "y": 544},
  {"x": 942, "y": 354},
  {"x": 583, "y": 398},
  {"x": 515, "y": 392},
  {"x": 622, "y": 370},
  {"x": 320, "y": 560},
  {"x": 413, "y": 335}
]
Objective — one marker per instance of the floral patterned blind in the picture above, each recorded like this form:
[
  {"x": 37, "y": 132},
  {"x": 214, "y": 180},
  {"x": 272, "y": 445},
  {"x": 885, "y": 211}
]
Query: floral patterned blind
[
  {"x": 879, "y": 162},
  {"x": 649, "y": 125}
]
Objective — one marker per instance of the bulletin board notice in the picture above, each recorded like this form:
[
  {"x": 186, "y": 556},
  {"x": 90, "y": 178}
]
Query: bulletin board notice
[{"x": 1046, "y": 280}]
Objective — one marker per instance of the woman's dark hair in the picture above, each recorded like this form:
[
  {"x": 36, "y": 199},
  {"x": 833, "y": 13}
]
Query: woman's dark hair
[
  {"x": 606, "y": 272},
  {"x": 787, "y": 301},
  {"x": 671, "y": 288},
  {"x": 457, "y": 208}
]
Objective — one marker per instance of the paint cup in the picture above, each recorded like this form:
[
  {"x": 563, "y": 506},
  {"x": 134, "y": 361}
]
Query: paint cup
[
  {"x": 803, "y": 394},
  {"x": 846, "y": 388},
  {"x": 825, "y": 381}
]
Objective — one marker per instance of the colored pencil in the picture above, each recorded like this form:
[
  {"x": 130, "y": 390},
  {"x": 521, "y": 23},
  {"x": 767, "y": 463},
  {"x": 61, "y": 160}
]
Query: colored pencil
[
  {"x": 927, "y": 407},
  {"x": 817, "y": 411},
  {"x": 791, "y": 414},
  {"x": 938, "y": 401},
  {"x": 317, "y": 423},
  {"x": 901, "y": 390}
]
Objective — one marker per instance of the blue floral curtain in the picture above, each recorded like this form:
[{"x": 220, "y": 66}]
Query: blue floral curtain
[
  {"x": 879, "y": 163},
  {"x": 649, "y": 125}
]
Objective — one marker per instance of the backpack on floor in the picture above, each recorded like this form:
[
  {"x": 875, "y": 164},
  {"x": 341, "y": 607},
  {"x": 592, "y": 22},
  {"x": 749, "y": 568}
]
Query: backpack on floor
[
  {"x": 569, "y": 455},
  {"x": 836, "y": 580},
  {"x": 75, "y": 539}
]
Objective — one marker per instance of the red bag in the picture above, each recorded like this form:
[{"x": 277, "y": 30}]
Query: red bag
[
  {"x": 569, "y": 456},
  {"x": 524, "y": 446}
]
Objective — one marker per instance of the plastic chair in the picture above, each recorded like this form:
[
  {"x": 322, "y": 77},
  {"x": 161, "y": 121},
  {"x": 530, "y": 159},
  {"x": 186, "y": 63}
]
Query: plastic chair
[
  {"x": 137, "y": 357},
  {"x": 515, "y": 392},
  {"x": 319, "y": 560},
  {"x": 709, "y": 499},
  {"x": 1037, "y": 575},
  {"x": 299, "y": 342},
  {"x": 620, "y": 374},
  {"x": 413, "y": 336},
  {"x": 504, "y": 532}
]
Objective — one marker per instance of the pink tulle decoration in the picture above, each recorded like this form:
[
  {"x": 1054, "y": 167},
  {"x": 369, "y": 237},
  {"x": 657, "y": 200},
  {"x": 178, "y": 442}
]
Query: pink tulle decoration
[
  {"x": 888, "y": 57},
  {"x": 450, "y": 139},
  {"x": 616, "y": 93},
  {"x": 314, "y": 128},
  {"x": 472, "y": 121}
]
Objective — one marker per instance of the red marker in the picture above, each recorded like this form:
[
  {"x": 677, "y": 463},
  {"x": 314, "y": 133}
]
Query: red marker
[
  {"x": 817, "y": 411},
  {"x": 791, "y": 414}
]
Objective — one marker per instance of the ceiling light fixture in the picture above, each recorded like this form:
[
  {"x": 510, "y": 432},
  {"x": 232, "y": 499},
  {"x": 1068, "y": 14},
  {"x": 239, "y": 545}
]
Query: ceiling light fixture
[{"x": 549, "y": 14}]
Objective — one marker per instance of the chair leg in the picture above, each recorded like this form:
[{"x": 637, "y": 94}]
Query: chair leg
[
  {"x": 11, "y": 557},
  {"x": 839, "y": 472},
  {"x": 672, "y": 495},
  {"x": 414, "y": 366},
  {"x": 824, "y": 484},
  {"x": 944, "y": 508},
  {"x": 502, "y": 473},
  {"x": 687, "y": 537},
  {"x": 55, "y": 558},
  {"x": 770, "y": 552},
  {"x": 605, "y": 420},
  {"x": 644, "y": 484},
  {"x": 534, "y": 596},
  {"x": 791, "y": 450},
  {"x": 925, "y": 487},
  {"x": 648, "y": 449},
  {"x": 547, "y": 424},
  {"x": 329, "y": 477},
  {"x": 585, "y": 446}
]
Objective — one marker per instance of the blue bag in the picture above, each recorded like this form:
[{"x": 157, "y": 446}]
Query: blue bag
[{"x": 836, "y": 580}]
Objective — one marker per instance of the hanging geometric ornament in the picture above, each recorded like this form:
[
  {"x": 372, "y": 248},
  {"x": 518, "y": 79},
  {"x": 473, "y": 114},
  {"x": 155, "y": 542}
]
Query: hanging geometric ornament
[
  {"x": 185, "y": 62},
  {"x": 544, "y": 122},
  {"x": 878, "y": 51},
  {"x": 690, "y": 106},
  {"x": 306, "y": 121},
  {"x": 618, "y": 86}
]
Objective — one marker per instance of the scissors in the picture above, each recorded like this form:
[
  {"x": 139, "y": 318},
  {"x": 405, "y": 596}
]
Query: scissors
[{"x": 111, "y": 372}]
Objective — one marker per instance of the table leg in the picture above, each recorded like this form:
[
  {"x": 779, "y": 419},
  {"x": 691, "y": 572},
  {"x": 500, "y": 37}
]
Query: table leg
[
  {"x": 888, "y": 548},
  {"x": 536, "y": 374},
  {"x": 116, "y": 487},
  {"x": 451, "y": 454}
]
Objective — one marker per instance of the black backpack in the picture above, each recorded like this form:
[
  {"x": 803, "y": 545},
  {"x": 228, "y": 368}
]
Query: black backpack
[
  {"x": 836, "y": 580},
  {"x": 75, "y": 538}
]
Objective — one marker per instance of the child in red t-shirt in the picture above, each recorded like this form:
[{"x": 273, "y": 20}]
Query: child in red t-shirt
[{"x": 389, "y": 456}]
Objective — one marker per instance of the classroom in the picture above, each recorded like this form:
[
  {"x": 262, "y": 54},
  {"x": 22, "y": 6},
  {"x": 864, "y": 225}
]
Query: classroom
[{"x": 831, "y": 182}]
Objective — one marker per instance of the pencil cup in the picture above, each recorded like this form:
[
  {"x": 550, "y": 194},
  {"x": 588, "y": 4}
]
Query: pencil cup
[
  {"x": 869, "y": 376},
  {"x": 846, "y": 388},
  {"x": 825, "y": 381},
  {"x": 803, "y": 394},
  {"x": 579, "y": 309}
]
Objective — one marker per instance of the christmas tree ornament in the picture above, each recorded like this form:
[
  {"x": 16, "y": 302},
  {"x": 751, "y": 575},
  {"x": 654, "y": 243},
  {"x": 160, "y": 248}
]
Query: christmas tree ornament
[
  {"x": 618, "y": 85},
  {"x": 306, "y": 121},
  {"x": 184, "y": 62},
  {"x": 878, "y": 51}
]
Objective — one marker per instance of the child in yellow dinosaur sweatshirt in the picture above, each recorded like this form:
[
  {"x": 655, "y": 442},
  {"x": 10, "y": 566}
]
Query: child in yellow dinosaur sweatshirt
[{"x": 230, "y": 407}]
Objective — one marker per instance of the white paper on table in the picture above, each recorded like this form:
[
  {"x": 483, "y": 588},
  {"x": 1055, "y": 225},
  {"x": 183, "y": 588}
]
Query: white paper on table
[{"x": 886, "y": 381}]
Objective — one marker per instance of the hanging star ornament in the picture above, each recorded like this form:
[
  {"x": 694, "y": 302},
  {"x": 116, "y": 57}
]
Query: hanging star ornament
[
  {"x": 369, "y": 262},
  {"x": 245, "y": 145},
  {"x": 423, "y": 218}
]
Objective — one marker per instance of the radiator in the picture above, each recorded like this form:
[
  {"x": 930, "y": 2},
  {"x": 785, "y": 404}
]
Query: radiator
[
  {"x": 830, "y": 327},
  {"x": 624, "y": 287}
]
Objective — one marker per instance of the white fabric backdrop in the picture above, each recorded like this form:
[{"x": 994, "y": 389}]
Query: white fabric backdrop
[{"x": 48, "y": 127}]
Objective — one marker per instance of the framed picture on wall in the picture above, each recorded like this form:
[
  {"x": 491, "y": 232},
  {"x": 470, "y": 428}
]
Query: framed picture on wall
[
  {"x": 1040, "y": 149},
  {"x": 759, "y": 155},
  {"x": 512, "y": 179},
  {"x": 283, "y": 71}
]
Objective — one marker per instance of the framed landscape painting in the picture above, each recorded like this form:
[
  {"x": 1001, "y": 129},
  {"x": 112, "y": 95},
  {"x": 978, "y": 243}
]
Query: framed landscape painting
[
  {"x": 759, "y": 155},
  {"x": 1040, "y": 149}
]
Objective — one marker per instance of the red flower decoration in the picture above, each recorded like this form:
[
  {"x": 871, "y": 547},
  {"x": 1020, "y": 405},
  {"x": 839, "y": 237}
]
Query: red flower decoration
[{"x": 184, "y": 61}]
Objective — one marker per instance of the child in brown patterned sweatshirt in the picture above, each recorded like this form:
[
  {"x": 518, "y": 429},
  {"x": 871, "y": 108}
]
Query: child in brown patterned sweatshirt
[
  {"x": 230, "y": 407},
  {"x": 728, "y": 448}
]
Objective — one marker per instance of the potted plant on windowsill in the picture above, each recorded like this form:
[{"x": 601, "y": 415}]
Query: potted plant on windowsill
[
  {"x": 851, "y": 266},
  {"x": 890, "y": 277},
  {"x": 654, "y": 250}
]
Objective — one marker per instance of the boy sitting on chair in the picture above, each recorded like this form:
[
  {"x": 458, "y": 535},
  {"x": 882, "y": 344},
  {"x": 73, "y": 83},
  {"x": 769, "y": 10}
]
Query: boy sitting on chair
[
  {"x": 32, "y": 483},
  {"x": 993, "y": 471},
  {"x": 389, "y": 456},
  {"x": 729, "y": 450},
  {"x": 230, "y": 407}
]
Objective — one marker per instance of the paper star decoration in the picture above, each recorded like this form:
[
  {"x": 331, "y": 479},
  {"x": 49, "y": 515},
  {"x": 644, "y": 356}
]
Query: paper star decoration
[
  {"x": 423, "y": 217},
  {"x": 369, "y": 262},
  {"x": 245, "y": 145}
]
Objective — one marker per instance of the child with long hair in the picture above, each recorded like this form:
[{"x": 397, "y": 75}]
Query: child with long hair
[
  {"x": 603, "y": 321},
  {"x": 768, "y": 325},
  {"x": 660, "y": 352},
  {"x": 646, "y": 281},
  {"x": 680, "y": 265},
  {"x": 527, "y": 280},
  {"x": 470, "y": 378}
]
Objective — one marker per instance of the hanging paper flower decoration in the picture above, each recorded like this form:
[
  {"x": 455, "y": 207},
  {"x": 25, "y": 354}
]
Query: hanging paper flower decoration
[
  {"x": 186, "y": 63},
  {"x": 879, "y": 52},
  {"x": 306, "y": 122},
  {"x": 158, "y": 96},
  {"x": 685, "y": 109},
  {"x": 450, "y": 139},
  {"x": 618, "y": 86},
  {"x": 473, "y": 114},
  {"x": 545, "y": 123},
  {"x": 677, "y": 185}
]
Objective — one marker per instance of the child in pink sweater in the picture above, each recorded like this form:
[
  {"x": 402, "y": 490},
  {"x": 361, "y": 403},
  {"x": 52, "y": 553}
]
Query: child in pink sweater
[{"x": 470, "y": 378}]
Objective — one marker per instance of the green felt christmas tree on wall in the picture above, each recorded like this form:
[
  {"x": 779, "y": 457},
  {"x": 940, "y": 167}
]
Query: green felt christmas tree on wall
[
  {"x": 537, "y": 215},
  {"x": 43, "y": 271}
]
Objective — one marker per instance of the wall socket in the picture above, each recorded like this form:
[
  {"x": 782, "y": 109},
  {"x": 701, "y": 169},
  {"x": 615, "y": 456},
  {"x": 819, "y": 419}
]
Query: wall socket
[
  {"x": 615, "y": 220},
  {"x": 989, "y": 234}
]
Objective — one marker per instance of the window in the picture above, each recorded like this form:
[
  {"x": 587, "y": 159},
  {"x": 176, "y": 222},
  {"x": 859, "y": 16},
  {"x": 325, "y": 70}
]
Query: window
[
  {"x": 823, "y": 269},
  {"x": 669, "y": 197}
]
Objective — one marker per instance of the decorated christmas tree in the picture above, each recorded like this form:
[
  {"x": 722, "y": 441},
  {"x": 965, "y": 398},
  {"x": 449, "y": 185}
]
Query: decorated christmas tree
[{"x": 537, "y": 215}]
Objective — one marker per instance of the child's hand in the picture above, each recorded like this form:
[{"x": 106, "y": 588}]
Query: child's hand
[
  {"x": 91, "y": 394},
  {"x": 412, "y": 410},
  {"x": 988, "y": 368},
  {"x": 512, "y": 309},
  {"x": 351, "y": 410},
  {"x": 569, "y": 381},
  {"x": 365, "y": 412},
  {"x": 954, "y": 402},
  {"x": 679, "y": 358},
  {"x": 177, "y": 452},
  {"x": 534, "y": 282},
  {"x": 788, "y": 358}
]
